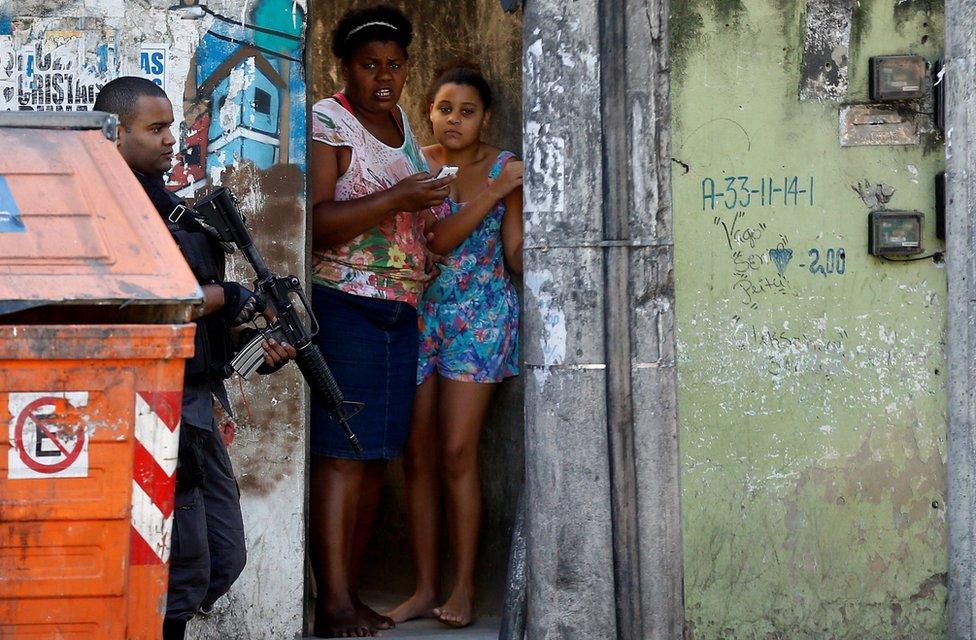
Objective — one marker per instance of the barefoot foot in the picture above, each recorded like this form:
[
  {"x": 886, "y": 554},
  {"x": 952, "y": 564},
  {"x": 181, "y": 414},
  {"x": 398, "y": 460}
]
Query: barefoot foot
[
  {"x": 377, "y": 620},
  {"x": 343, "y": 623},
  {"x": 419, "y": 605},
  {"x": 458, "y": 610}
]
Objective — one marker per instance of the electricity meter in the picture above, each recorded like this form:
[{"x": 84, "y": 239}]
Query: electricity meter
[
  {"x": 895, "y": 233},
  {"x": 897, "y": 78}
]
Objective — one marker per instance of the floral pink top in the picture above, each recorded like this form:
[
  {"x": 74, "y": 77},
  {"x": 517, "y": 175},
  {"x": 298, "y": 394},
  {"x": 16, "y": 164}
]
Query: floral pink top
[{"x": 386, "y": 261}]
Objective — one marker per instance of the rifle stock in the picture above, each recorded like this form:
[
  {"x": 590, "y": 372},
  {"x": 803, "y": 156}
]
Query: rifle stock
[{"x": 219, "y": 210}]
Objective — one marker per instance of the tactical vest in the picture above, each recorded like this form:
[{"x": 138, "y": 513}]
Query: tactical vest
[{"x": 213, "y": 350}]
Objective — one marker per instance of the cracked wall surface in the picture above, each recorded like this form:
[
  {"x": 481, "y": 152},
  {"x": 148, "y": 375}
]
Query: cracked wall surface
[{"x": 812, "y": 393}]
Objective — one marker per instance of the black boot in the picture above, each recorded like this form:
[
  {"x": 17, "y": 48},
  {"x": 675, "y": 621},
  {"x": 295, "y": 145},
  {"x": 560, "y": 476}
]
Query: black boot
[{"x": 173, "y": 629}]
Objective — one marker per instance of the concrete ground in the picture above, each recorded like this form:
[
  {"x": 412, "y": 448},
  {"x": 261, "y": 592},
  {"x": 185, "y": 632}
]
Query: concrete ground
[
  {"x": 431, "y": 629},
  {"x": 483, "y": 628}
]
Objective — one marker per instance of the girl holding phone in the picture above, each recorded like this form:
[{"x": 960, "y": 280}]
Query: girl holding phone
[{"x": 469, "y": 339}]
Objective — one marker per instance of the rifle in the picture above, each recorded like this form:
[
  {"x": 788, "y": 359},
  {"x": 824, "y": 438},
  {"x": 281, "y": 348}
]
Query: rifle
[{"x": 219, "y": 210}]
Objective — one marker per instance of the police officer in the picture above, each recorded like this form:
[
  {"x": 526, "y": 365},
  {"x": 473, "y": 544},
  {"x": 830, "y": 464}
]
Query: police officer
[{"x": 207, "y": 552}]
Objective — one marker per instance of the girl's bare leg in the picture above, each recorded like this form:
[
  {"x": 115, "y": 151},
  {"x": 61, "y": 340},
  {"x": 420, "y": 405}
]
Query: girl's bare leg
[
  {"x": 423, "y": 497},
  {"x": 462, "y": 407}
]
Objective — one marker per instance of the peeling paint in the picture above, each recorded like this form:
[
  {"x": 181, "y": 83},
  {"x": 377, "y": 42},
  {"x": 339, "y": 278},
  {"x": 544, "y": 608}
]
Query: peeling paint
[
  {"x": 826, "y": 47},
  {"x": 875, "y": 196},
  {"x": 56, "y": 64},
  {"x": 552, "y": 342},
  {"x": 546, "y": 184}
]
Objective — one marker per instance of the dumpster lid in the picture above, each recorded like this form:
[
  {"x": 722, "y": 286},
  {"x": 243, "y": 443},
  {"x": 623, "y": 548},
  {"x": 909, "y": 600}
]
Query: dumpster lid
[
  {"x": 76, "y": 226},
  {"x": 107, "y": 123}
]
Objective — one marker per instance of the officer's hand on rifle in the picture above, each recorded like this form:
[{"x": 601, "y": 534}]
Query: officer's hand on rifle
[
  {"x": 241, "y": 305},
  {"x": 276, "y": 354}
]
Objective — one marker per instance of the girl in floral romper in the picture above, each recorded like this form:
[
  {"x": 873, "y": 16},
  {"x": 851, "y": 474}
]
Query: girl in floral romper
[{"x": 468, "y": 339}]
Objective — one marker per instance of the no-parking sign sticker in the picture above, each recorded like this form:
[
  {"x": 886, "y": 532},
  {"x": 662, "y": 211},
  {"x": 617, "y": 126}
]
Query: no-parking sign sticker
[{"x": 48, "y": 435}]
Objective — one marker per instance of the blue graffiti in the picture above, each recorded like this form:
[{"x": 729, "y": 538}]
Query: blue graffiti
[
  {"x": 250, "y": 94},
  {"x": 829, "y": 262},
  {"x": 255, "y": 132},
  {"x": 103, "y": 52},
  {"x": 152, "y": 63},
  {"x": 741, "y": 192},
  {"x": 781, "y": 258}
]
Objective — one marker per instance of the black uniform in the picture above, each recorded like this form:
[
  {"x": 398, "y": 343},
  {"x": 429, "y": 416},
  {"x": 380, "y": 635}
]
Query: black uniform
[{"x": 208, "y": 552}]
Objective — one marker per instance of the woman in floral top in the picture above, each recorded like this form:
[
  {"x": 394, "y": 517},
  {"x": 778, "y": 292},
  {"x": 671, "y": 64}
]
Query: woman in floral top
[{"x": 370, "y": 193}]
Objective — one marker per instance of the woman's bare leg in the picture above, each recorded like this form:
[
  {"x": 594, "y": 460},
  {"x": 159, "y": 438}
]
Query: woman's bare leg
[
  {"x": 369, "y": 502},
  {"x": 334, "y": 502}
]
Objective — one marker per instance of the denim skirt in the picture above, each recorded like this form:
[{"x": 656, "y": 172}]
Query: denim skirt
[{"x": 370, "y": 346}]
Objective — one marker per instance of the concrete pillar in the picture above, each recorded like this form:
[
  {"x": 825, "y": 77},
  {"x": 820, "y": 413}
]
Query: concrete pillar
[
  {"x": 603, "y": 523},
  {"x": 960, "y": 79}
]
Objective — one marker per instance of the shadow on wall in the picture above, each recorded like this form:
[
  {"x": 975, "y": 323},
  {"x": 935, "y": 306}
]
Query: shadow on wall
[{"x": 479, "y": 31}]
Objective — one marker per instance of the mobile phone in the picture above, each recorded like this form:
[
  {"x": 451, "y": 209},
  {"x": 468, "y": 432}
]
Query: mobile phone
[{"x": 445, "y": 172}]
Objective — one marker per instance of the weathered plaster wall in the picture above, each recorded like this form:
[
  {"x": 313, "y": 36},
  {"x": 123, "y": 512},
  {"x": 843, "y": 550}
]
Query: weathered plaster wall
[
  {"x": 811, "y": 375},
  {"x": 55, "y": 55},
  {"x": 479, "y": 31}
]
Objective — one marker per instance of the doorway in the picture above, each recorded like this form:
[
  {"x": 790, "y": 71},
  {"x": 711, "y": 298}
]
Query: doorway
[{"x": 480, "y": 32}]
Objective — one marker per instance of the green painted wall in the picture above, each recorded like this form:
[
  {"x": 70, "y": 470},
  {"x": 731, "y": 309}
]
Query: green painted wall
[{"x": 811, "y": 404}]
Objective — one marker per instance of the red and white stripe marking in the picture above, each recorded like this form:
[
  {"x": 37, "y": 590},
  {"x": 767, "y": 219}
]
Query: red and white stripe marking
[{"x": 154, "y": 474}]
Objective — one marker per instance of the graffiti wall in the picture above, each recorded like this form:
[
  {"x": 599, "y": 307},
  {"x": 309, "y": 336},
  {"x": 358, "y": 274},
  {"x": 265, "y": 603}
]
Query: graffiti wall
[
  {"x": 53, "y": 64},
  {"x": 233, "y": 71},
  {"x": 244, "y": 99}
]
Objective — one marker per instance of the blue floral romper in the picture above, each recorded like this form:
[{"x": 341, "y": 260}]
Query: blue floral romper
[{"x": 469, "y": 316}]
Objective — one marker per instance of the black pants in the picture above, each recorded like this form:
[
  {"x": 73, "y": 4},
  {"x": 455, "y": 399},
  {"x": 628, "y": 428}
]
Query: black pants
[{"x": 208, "y": 551}]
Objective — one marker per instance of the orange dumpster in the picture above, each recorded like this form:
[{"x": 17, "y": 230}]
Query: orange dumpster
[{"x": 95, "y": 300}]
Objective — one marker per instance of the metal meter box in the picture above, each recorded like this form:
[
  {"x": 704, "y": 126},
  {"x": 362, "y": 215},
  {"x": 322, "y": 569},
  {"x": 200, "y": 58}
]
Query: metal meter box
[
  {"x": 895, "y": 233},
  {"x": 897, "y": 78}
]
